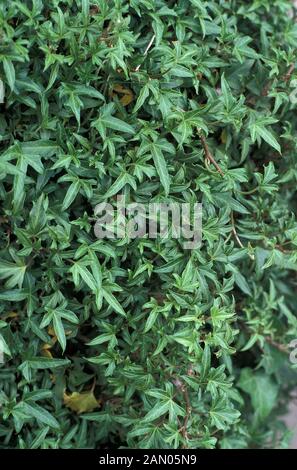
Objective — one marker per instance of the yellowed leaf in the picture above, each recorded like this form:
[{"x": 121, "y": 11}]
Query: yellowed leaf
[
  {"x": 127, "y": 97},
  {"x": 224, "y": 137},
  {"x": 81, "y": 402},
  {"x": 46, "y": 347},
  {"x": 9, "y": 315},
  {"x": 51, "y": 331},
  {"x": 45, "y": 350}
]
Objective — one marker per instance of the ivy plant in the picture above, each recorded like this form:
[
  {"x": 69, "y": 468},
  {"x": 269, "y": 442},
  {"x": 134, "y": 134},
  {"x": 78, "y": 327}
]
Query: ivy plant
[{"x": 141, "y": 343}]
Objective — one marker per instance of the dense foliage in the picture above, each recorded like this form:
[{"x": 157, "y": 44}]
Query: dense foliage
[{"x": 142, "y": 343}]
